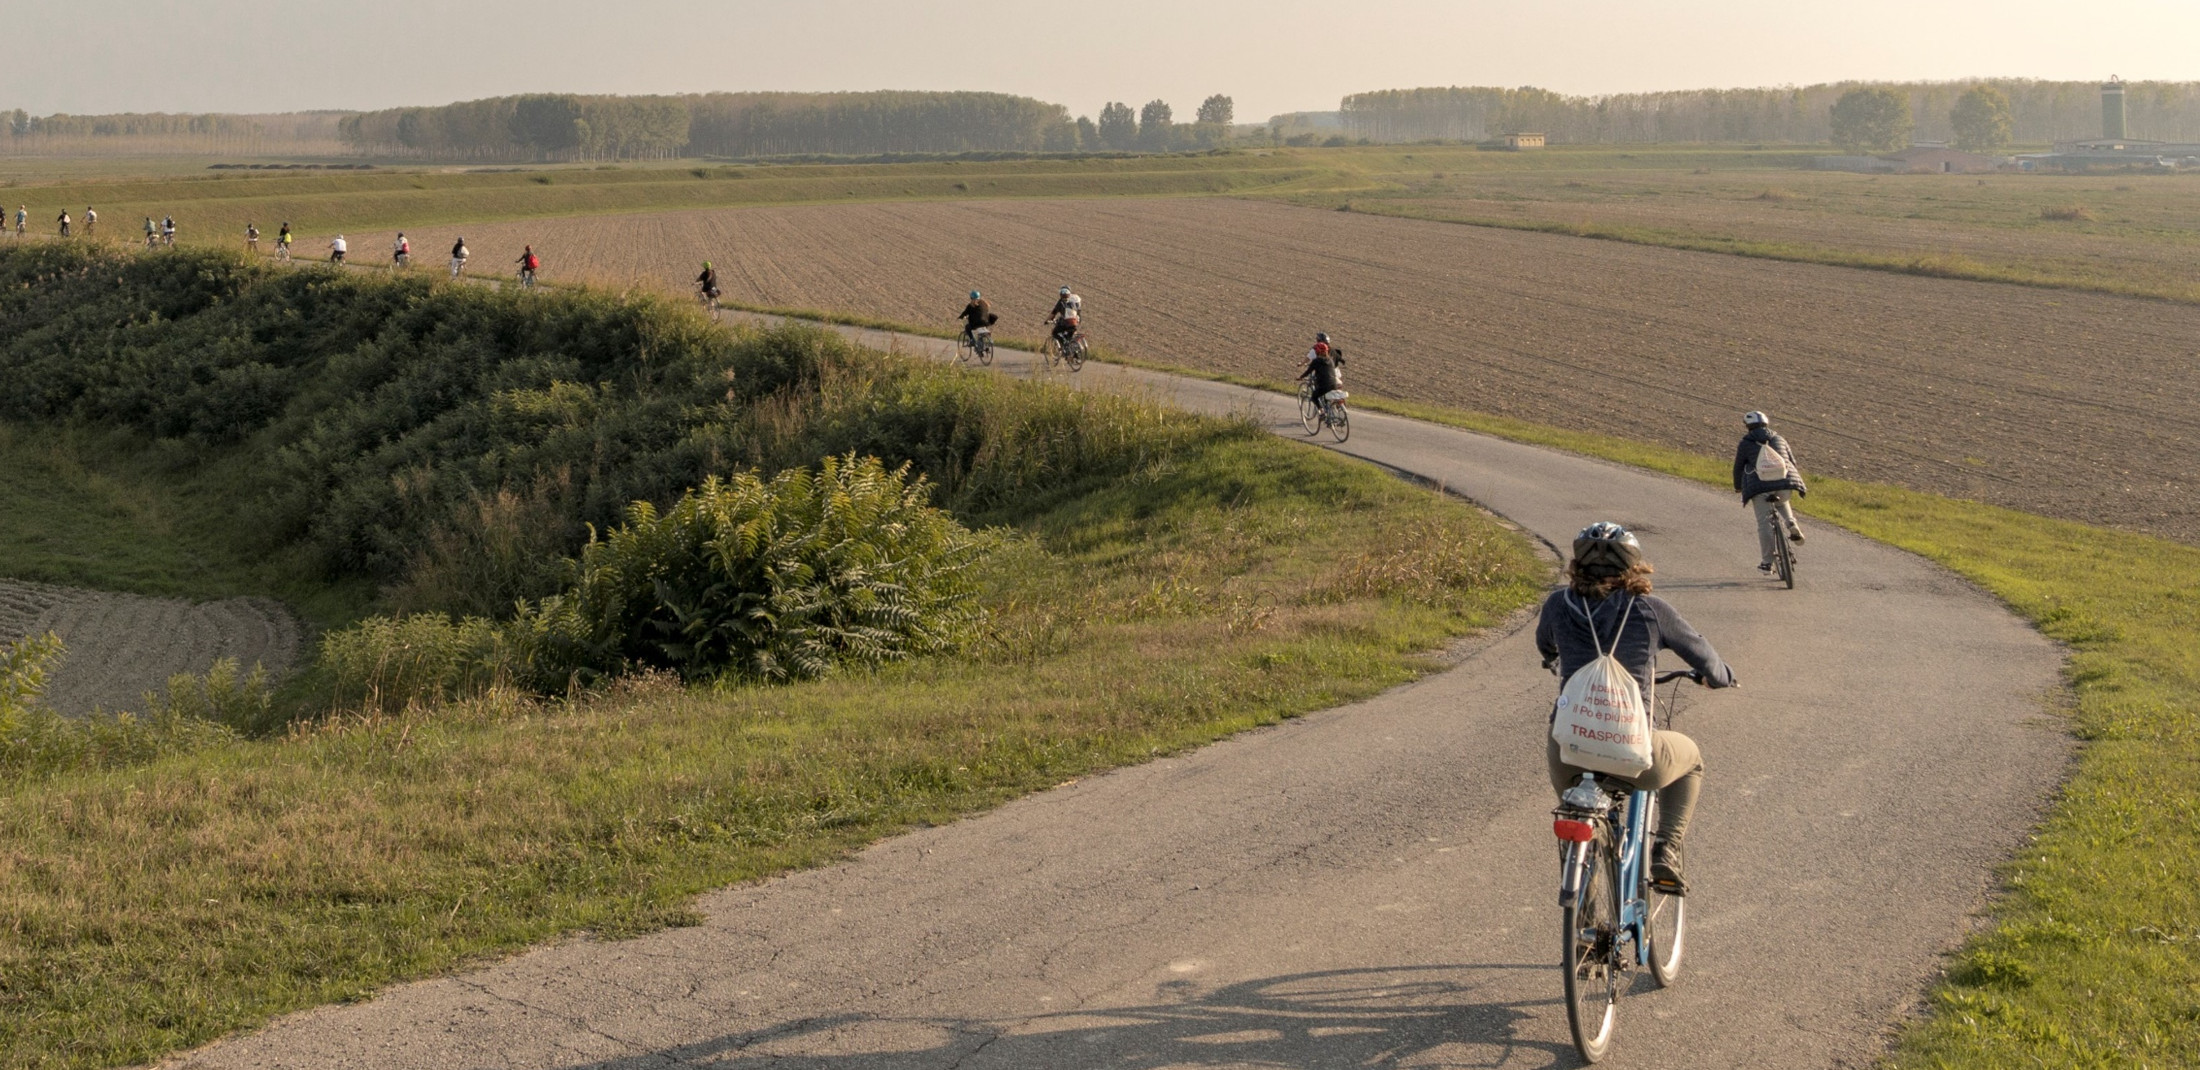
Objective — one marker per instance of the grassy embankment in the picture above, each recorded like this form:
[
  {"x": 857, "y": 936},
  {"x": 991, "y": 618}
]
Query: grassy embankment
[{"x": 1148, "y": 590}]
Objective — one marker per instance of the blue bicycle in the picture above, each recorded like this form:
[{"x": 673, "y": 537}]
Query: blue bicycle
[{"x": 1616, "y": 920}]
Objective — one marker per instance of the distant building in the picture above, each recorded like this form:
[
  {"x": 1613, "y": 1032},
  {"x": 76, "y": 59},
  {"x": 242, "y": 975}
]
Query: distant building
[
  {"x": 1516, "y": 142},
  {"x": 2115, "y": 149}
]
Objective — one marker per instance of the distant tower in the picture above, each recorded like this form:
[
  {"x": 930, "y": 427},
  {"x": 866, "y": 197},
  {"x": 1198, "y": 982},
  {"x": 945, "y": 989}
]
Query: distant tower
[{"x": 2112, "y": 109}]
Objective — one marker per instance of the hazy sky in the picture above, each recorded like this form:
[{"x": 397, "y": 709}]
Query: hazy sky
[{"x": 1271, "y": 55}]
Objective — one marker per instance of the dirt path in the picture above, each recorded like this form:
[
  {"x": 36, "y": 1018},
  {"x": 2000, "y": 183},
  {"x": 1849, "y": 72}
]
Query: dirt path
[
  {"x": 1369, "y": 886},
  {"x": 2069, "y": 404},
  {"x": 121, "y": 646}
]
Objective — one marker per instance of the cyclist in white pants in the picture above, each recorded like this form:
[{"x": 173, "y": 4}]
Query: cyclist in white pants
[{"x": 1765, "y": 473}]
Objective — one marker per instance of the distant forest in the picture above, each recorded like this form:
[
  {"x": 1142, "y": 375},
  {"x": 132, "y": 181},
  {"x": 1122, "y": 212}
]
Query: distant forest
[
  {"x": 563, "y": 126},
  {"x": 2040, "y": 112},
  {"x": 294, "y": 133}
]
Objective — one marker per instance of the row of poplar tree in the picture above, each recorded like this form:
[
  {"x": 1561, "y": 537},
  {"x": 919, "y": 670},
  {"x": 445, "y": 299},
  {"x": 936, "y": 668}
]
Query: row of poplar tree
[
  {"x": 2035, "y": 112},
  {"x": 566, "y": 126}
]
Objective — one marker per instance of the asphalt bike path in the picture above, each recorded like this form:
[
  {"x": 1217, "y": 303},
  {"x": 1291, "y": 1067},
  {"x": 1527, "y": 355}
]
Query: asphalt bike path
[{"x": 1368, "y": 886}]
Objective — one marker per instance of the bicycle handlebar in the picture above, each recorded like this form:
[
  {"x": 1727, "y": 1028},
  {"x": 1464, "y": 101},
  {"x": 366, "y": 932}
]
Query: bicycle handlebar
[{"x": 1680, "y": 674}]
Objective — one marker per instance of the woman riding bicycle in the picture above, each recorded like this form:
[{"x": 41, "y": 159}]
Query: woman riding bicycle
[
  {"x": 1321, "y": 370},
  {"x": 1607, "y": 606}
]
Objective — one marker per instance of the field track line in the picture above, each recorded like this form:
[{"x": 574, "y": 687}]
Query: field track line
[{"x": 1367, "y": 886}]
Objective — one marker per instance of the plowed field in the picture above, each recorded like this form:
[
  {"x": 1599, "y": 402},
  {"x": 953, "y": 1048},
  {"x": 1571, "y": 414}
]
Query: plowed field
[
  {"x": 2069, "y": 404},
  {"x": 120, "y": 646}
]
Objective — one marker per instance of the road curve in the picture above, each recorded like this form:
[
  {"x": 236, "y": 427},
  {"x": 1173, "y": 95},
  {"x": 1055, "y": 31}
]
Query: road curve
[{"x": 1370, "y": 886}]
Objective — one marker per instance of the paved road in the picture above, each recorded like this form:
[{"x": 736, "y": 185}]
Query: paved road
[{"x": 1370, "y": 886}]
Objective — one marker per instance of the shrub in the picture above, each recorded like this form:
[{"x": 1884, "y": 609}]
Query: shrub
[
  {"x": 2067, "y": 213},
  {"x": 389, "y": 663},
  {"x": 777, "y": 579},
  {"x": 193, "y": 713},
  {"x": 24, "y": 666}
]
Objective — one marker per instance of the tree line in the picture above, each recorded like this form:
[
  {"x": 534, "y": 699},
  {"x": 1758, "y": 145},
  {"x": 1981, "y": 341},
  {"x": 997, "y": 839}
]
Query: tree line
[
  {"x": 22, "y": 133},
  {"x": 2038, "y": 111}
]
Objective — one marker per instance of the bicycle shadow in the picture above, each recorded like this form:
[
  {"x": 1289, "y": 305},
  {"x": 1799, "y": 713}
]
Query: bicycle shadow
[{"x": 1418, "y": 1016}]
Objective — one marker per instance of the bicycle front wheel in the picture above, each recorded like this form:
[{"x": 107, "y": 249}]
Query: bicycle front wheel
[
  {"x": 1340, "y": 422},
  {"x": 1589, "y": 953},
  {"x": 1310, "y": 412},
  {"x": 1665, "y": 920}
]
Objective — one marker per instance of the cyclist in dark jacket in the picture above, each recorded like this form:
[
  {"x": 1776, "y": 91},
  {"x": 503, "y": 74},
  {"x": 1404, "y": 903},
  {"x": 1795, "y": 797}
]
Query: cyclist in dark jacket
[
  {"x": 978, "y": 313},
  {"x": 1768, "y": 498},
  {"x": 1321, "y": 369},
  {"x": 1607, "y": 603}
]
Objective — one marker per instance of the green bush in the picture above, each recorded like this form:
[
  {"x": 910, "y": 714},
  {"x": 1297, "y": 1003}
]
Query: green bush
[
  {"x": 772, "y": 580},
  {"x": 389, "y": 663},
  {"x": 194, "y": 712}
]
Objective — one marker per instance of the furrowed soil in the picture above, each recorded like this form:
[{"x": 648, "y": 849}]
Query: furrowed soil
[
  {"x": 2076, "y": 405},
  {"x": 120, "y": 646}
]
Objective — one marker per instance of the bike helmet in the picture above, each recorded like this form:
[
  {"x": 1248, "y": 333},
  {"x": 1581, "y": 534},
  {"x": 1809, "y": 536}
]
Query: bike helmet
[
  {"x": 974, "y": 295},
  {"x": 1065, "y": 291},
  {"x": 1605, "y": 547},
  {"x": 1755, "y": 419},
  {"x": 1321, "y": 336},
  {"x": 1321, "y": 349}
]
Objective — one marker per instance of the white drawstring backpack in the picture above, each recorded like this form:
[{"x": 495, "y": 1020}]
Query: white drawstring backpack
[
  {"x": 1771, "y": 467},
  {"x": 1601, "y": 723}
]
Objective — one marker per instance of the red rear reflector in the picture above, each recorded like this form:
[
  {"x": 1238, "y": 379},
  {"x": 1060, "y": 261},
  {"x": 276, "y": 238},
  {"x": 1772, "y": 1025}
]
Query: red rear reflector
[{"x": 1576, "y": 831}]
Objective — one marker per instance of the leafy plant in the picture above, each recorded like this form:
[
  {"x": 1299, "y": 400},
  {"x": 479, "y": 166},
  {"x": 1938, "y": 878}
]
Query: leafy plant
[{"x": 778, "y": 579}]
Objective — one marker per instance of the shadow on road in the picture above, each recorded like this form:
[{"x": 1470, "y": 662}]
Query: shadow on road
[{"x": 1421, "y": 1016}]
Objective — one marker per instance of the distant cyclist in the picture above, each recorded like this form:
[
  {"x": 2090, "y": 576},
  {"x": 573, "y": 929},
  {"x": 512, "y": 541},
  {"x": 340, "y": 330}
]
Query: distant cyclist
[
  {"x": 152, "y": 233},
  {"x": 706, "y": 284},
  {"x": 1068, "y": 311},
  {"x": 1321, "y": 374},
  {"x": 168, "y": 231},
  {"x": 22, "y": 216},
  {"x": 529, "y": 263},
  {"x": 978, "y": 313},
  {"x": 1765, "y": 474},
  {"x": 459, "y": 255},
  {"x": 282, "y": 242},
  {"x": 1336, "y": 352},
  {"x": 337, "y": 249},
  {"x": 1606, "y": 607},
  {"x": 91, "y": 221},
  {"x": 64, "y": 222},
  {"x": 402, "y": 255},
  {"x": 251, "y": 235}
]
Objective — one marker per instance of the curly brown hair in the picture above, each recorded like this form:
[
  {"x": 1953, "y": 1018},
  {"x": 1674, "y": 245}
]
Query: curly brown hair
[{"x": 1601, "y": 582}]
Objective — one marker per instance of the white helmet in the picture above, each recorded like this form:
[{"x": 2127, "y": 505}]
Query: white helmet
[
  {"x": 1065, "y": 291},
  {"x": 1755, "y": 419}
]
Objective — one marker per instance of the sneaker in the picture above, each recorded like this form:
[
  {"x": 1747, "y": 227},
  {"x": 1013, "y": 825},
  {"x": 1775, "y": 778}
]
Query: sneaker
[
  {"x": 1796, "y": 536},
  {"x": 1665, "y": 868},
  {"x": 1765, "y": 568}
]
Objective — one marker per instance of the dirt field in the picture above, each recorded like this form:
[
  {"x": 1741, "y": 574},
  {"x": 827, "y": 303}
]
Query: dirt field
[
  {"x": 120, "y": 646},
  {"x": 2070, "y": 404}
]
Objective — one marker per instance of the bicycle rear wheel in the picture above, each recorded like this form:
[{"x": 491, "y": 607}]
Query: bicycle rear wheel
[
  {"x": 1340, "y": 422},
  {"x": 1665, "y": 920},
  {"x": 1588, "y": 951},
  {"x": 1074, "y": 353},
  {"x": 985, "y": 351},
  {"x": 1784, "y": 555}
]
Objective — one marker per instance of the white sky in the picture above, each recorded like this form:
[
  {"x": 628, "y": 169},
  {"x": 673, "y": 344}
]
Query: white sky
[{"x": 1271, "y": 55}]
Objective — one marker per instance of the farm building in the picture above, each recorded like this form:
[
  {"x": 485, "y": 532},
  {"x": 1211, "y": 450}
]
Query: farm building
[{"x": 1516, "y": 142}]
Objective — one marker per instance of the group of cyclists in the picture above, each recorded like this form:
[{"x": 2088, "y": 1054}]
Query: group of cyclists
[{"x": 339, "y": 250}]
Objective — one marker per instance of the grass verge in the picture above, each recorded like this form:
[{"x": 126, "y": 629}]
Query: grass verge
[{"x": 1226, "y": 584}]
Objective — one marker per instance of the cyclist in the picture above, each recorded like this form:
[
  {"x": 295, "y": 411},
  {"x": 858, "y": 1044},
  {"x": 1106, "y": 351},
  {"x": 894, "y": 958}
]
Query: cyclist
[
  {"x": 459, "y": 254},
  {"x": 251, "y": 235},
  {"x": 1068, "y": 309},
  {"x": 706, "y": 284},
  {"x": 22, "y": 214},
  {"x": 337, "y": 249},
  {"x": 282, "y": 242},
  {"x": 150, "y": 232},
  {"x": 978, "y": 313},
  {"x": 1606, "y": 605},
  {"x": 64, "y": 222},
  {"x": 528, "y": 262},
  {"x": 1321, "y": 370},
  {"x": 168, "y": 231},
  {"x": 91, "y": 221},
  {"x": 402, "y": 255},
  {"x": 1336, "y": 353},
  {"x": 1768, "y": 497}
]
